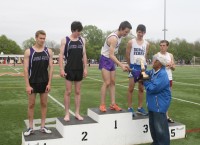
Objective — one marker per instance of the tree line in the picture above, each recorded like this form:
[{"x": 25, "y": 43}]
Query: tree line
[{"x": 95, "y": 37}]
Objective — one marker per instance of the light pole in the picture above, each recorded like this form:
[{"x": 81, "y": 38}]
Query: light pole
[{"x": 164, "y": 20}]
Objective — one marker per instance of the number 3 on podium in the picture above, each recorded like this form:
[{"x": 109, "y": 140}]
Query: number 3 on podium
[{"x": 146, "y": 128}]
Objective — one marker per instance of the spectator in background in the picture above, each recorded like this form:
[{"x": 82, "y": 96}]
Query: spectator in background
[{"x": 8, "y": 60}]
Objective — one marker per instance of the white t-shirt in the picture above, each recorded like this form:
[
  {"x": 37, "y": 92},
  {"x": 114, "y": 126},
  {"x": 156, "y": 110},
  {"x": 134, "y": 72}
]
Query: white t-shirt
[{"x": 105, "y": 50}]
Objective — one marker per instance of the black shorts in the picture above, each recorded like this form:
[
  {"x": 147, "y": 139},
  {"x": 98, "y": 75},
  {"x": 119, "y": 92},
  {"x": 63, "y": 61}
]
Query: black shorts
[
  {"x": 74, "y": 75},
  {"x": 39, "y": 87}
]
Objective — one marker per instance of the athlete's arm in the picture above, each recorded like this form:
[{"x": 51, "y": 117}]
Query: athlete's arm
[
  {"x": 61, "y": 55},
  {"x": 147, "y": 51},
  {"x": 50, "y": 70},
  {"x": 128, "y": 51},
  {"x": 84, "y": 59},
  {"x": 26, "y": 74},
  {"x": 112, "y": 41},
  {"x": 172, "y": 62}
]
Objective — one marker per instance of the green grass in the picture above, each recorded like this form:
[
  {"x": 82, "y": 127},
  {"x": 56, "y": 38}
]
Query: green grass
[{"x": 13, "y": 100}]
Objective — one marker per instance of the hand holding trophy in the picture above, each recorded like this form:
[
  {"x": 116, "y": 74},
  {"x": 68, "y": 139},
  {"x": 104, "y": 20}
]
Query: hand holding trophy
[{"x": 144, "y": 75}]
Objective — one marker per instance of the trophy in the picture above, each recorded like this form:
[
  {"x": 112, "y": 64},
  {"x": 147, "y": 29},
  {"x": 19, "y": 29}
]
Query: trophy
[{"x": 144, "y": 75}]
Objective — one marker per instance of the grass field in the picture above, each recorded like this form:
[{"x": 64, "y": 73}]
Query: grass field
[{"x": 185, "y": 106}]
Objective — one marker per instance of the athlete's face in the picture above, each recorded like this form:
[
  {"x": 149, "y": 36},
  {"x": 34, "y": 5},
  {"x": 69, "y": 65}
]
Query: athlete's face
[
  {"x": 125, "y": 32},
  {"x": 77, "y": 33},
  {"x": 140, "y": 34},
  {"x": 163, "y": 47},
  {"x": 40, "y": 40}
]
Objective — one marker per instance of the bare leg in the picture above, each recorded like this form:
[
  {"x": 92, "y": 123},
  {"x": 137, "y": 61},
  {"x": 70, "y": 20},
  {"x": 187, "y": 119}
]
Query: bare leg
[
  {"x": 78, "y": 100},
  {"x": 140, "y": 94},
  {"x": 43, "y": 104},
  {"x": 67, "y": 99},
  {"x": 106, "y": 83},
  {"x": 112, "y": 87},
  {"x": 31, "y": 105},
  {"x": 167, "y": 113},
  {"x": 130, "y": 91}
]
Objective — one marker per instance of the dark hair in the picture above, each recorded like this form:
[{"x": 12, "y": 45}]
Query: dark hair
[
  {"x": 124, "y": 25},
  {"x": 165, "y": 41},
  {"x": 141, "y": 27},
  {"x": 76, "y": 25},
  {"x": 40, "y": 32}
]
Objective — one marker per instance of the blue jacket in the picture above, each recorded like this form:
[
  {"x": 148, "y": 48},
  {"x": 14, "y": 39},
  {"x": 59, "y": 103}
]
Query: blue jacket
[{"x": 158, "y": 91}]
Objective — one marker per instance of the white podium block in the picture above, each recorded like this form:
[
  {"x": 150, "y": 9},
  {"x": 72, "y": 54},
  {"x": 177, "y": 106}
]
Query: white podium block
[
  {"x": 141, "y": 124},
  {"x": 141, "y": 132},
  {"x": 102, "y": 128},
  {"x": 177, "y": 130},
  {"x": 39, "y": 138},
  {"x": 115, "y": 125},
  {"x": 75, "y": 132}
]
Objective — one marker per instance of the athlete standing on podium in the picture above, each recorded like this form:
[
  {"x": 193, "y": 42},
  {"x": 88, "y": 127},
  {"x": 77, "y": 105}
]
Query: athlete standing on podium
[
  {"x": 37, "y": 60},
  {"x": 107, "y": 64},
  {"x": 73, "y": 50},
  {"x": 136, "y": 52}
]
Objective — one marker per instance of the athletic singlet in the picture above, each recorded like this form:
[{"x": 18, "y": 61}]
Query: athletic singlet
[
  {"x": 74, "y": 54},
  {"x": 38, "y": 66},
  {"x": 169, "y": 60},
  {"x": 138, "y": 52},
  {"x": 105, "y": 49}
]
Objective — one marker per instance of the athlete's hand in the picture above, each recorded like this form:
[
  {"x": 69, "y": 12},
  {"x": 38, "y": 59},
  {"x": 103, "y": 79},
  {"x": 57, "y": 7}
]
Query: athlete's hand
[
  {"x": 125, "y": 68},
  {"x": 48, "y": 88},
  {"x": 29, "y": 90},
  {"x": 169, "y": 65},
  {"x": 85, "y": 73},
  {"x": 62, "y": 73}
]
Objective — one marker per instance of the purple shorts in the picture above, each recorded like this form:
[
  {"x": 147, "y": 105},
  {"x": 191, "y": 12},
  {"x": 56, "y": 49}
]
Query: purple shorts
[
  {"x": 136, "y": 72},
  {"x": 106, "y": 63}
]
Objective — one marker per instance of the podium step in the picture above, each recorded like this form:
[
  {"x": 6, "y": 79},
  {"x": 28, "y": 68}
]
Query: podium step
[
  {"x": 39, "y": 138},
  {"x": 76, "y": 132},
  {"x": 116, "y": 126},
  {"x": 99, "y": 116},
  {"x": 102, "y": 128}
]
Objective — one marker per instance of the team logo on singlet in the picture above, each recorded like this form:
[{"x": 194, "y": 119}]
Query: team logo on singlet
[
  {"x": 75, "y": 46},
  {"x": 139, "y": 51},
  {"x": 38, "y": 58}
]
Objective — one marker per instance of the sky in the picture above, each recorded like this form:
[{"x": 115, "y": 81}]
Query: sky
[{"x": 20, "y": 19}]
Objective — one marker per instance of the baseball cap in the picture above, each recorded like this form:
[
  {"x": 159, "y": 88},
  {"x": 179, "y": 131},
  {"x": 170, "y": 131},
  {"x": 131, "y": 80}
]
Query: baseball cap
[{"x": 161, "y": 59}]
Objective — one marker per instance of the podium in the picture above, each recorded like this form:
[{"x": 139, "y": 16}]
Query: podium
[{"x": 99, "y": 128}]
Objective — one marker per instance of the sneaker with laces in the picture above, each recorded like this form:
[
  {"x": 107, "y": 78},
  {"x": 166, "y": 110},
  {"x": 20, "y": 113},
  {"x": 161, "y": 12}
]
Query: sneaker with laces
[
  {"x": 115, "y": 107},
  {"x": 142, "y": 111},
  {"x": 45, "y": 130},
  {"x": 102, "y": 108},
  {"x": 170, "y": 120},
  {"x": 28, "y": 132},
  {"x": 132, "y": 111}
]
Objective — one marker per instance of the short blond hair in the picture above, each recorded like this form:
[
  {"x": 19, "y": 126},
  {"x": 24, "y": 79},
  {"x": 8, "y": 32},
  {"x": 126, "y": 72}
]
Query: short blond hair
[{"x": 40, "y": 32}]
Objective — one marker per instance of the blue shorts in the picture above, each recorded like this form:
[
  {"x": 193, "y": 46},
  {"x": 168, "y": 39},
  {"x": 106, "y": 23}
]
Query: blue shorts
[
  {"x": 136, "y": 72},
  {"x": 106, "y": 63}
]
